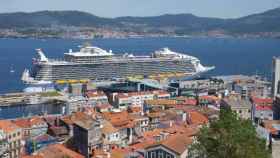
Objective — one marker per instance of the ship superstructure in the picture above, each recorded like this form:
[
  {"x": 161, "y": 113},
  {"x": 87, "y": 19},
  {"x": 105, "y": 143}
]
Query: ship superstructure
[{"x": 93, "y": 63}]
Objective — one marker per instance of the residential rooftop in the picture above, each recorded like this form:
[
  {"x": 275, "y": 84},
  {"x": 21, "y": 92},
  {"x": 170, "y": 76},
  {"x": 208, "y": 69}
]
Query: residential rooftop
[
  {"x": 58, "y": 151},
  {"x": 8, "y": 127}
]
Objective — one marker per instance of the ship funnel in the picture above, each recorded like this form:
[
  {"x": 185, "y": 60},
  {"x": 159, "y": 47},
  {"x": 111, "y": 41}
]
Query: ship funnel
[{"x": 42, "y": 56}]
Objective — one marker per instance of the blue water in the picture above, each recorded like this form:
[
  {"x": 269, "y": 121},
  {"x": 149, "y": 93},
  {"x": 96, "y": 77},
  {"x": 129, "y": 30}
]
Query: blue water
[
  {"x": 24, "y": 110},
  {"x": 229, "y": 55}
]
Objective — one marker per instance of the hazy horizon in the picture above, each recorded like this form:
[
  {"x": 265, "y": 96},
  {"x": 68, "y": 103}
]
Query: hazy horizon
[{"x": 113, "y": 8}]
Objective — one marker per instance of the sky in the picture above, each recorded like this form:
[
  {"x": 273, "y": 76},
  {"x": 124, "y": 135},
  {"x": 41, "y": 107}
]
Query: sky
[{"x": 116, "y": 8}]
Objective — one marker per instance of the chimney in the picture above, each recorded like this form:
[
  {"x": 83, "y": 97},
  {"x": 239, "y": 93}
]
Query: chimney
[
  {"x": 184, "y": 117},
  {"x": 170, "y": 123}
]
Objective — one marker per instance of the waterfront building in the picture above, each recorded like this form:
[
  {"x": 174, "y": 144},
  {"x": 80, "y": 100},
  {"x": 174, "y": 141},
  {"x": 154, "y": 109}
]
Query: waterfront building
[
  {"x": 136, "y": 99},
  {"x": 15, "y": 105},
  {"x": 275, "y": 76},
  {"x": 14, "y": 137},
  {"x": 200, "y": 86}
]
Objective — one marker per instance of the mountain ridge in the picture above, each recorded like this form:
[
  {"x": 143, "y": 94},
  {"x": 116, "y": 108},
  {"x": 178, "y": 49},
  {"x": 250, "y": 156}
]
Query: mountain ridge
[{"x": 185, "y": 23}]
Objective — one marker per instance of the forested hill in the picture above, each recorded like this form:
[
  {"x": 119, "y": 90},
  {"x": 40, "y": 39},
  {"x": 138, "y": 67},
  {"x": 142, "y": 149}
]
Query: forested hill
[{"x": 268, "y": 21}]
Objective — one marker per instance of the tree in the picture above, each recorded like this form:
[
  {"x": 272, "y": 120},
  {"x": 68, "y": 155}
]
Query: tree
[{"x": 229, "y": 137}]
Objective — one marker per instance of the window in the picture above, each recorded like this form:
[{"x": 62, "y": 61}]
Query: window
[
  {"x": 160, "y": 154},
  {"x": 168, "y": 156},
  {"x": 153, "y": 154}
]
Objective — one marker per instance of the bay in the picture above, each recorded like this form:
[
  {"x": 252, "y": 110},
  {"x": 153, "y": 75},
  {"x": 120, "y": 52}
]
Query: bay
[{"x": 229, "y": 55}]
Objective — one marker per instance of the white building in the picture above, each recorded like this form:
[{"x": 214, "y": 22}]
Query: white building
[
  {"x": 3, "y": 145},
  {"x": 97, "y": 98},
  {"x": 275, "y": 75},
  {"x": 136, "y": 99}
]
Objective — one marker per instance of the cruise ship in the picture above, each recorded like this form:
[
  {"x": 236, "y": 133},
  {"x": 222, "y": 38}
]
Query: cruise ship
[{"x": 93, "y": 63}]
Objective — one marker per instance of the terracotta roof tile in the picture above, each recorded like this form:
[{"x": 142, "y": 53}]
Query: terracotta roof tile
[
  {"x": 29, "y": 122},
  {"x": 197, "y": 118},
  {"x": 173, "y": 144},
  {"x": 119, "y": 119},
  {"x": 58, "y": 151},
  {"x": 108, "y": 128},
  {"x": 78, "y": 116},
  {"x": 7, "y": 126},
  {"x": 119, "y": 153}
]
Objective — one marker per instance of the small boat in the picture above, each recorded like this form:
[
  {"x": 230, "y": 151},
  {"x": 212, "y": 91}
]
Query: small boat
[{"x": 12, "y": 70}]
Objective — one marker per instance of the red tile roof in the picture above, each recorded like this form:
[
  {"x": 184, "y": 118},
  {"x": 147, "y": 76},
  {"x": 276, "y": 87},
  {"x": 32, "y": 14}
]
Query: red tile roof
[
  {"x": 7, "y": 126},
  {"x": 75, "y": 117},
  {"x": 177, "y": 143},
  {"x": 58, "y": 151},
  {"x": 197, "y": 118},
  {"x": 119, "y": 119},
  {"x": 29, "y": 122}
]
